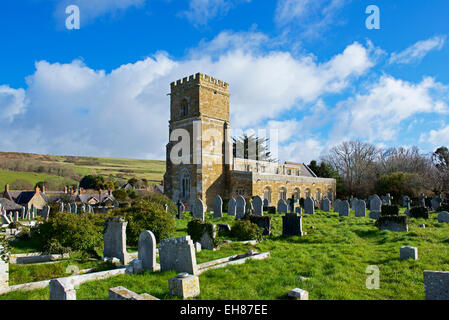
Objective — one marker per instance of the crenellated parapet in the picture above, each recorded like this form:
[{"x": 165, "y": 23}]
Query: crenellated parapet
[{"x": 201, "y": 78}]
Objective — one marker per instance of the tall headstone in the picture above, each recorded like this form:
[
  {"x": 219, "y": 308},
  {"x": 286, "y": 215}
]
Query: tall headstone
[
  {"x": 375, "y": 204},
  {"x": 344, "y": 209},
  {"x": 258, "y": 206},
  {"x": 4, "y": 274},
  {"x": 115, "y": 239},
  {"x": 282, "y": 206},
  {"x": 198, "y": 209},
  {"x": 147, "y": 250},
  {"x": 337, "y": 205},
  {"x": 326, "y": 205},
  {"x": 61, "y": 207},
  {"x": 218, "y": 207},
  {"x": 181, "y": 208},
  {"x": 422, "y": 200},
  {"x": 292, "y": 225},
  {"x": 240, "y": 207},
  {"x": 360, "y": 208},
  {"x": 232, "y": 207},
  {"x": 178, "y": 254},
  {"x": 309, "y": 206}
]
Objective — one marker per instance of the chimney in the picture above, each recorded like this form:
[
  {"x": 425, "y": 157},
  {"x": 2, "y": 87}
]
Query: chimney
[
  {"x": 37, "y": 190},
  {"x": 6, "y": 187},
  {"x": 43, "y": 189},
  {"x": 65, "y": 189}
]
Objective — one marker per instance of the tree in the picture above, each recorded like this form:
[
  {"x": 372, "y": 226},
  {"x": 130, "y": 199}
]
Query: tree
[
  {"x": 398, "y": 184},
  {"x": 95, "y": 182},
  {"x": 440, "y": 173},
  {"x": 251, "y": 147}
]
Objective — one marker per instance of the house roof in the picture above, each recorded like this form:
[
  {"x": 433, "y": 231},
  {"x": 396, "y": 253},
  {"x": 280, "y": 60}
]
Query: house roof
[
  {"x": 104, "y": 196},
  {"x": 9, "y": 205}
]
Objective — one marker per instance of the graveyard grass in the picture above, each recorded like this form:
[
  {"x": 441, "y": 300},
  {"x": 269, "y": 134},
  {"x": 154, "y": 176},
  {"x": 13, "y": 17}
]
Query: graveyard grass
[{"x": 333, "y": 256}]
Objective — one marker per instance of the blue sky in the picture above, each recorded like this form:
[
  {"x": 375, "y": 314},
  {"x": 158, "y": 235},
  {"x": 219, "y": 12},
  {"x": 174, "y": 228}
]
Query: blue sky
[{"x": 310, "y": 69}]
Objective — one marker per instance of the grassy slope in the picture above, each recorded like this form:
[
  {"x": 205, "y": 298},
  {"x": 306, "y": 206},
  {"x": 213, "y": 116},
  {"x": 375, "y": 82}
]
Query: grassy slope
[
  {"x": 7, "y": 177},
  {"x": 334, "y": 256},
  {"x": 148, "y": 169}
]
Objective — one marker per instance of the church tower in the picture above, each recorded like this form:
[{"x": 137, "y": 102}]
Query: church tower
[{"x": 199, "y": 105}]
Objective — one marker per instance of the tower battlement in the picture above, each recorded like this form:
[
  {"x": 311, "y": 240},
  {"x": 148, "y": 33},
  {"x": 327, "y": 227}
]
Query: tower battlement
[{"x": 200, "y": 78}]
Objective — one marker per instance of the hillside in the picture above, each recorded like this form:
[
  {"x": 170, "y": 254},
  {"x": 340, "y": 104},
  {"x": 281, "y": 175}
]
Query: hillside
[{"x": 70, "y": 169}]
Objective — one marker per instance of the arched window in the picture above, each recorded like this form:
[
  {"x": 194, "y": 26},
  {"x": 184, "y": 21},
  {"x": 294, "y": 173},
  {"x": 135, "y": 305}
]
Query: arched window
[
  {"x": 267, "y": 194},
  {"x": 184, "y": 180},
  {"x": 283, "y": 194},
  {"x": 184, "y": 108}
]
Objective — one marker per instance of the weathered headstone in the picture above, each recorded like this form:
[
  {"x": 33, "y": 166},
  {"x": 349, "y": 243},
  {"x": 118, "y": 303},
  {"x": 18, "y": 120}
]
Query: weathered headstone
[
  {"x": 147, "y": 250},
  {"x": 218, "y": 207},
  {"x": 258, "y": 206},
  {"x": 408, "y": 253},
  {"x": 309, "y": 206},
  {"x": 443, "y": 216},
  {"x": 344, "y": 209},
  {"x": 422, "y": 200},
  {"x": 4, "y": 274},
  {"x": 298, "y": 294},
  {"x": 282, "y": 206},
  {"x": 436, "y": 204},
  {"x": 181, "y": 208},
  {"x": 337, "y": 203},
  {"x": 115, "y": 239},
  {"x": 61, "y": 207},
  {"x": 62, "y": 289},
  {"x": 375, "y": 203},
  {"x": 393, "y": 223},
  {"x": 262, "y": 222},
  {"x": 184, "y": 286},
  {"x": 292, "y": 225},
  {"x": 232, "y": 207},
  {"x": 240, "y": 207},
  {"x": 207, "y": 239},
  {"x": 436, "y": 285},
  {"x": 198, "y": 209},
  {"x": 360, "y": 208},
  {"x": 266, "y": 203},
  {"x": 326, "y": 205},
  {"x": 178, "y": 254}
]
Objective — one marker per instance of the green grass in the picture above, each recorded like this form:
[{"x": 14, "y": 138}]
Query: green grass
[
  {"x": 8, "y": 177},
  {"x": 334, "y": 256}
]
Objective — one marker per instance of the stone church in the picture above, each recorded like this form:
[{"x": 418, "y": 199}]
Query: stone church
[{"x": 199, "y": 106}]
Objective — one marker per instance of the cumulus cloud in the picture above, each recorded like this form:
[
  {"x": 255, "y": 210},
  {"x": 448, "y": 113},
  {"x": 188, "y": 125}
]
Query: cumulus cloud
[
  {"x": 313, "y": 16},
  {"x": 378, "y": 114},
  {"x": 12, "y": 103},
  {"x": 436, "y": 138},
  {"x": 418, "y": 51},
  {"x": 73, "y": 109},
  {"x": 200, "y": 12}
]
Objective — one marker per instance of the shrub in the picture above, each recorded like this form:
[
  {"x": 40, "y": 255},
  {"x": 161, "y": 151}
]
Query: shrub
[
  {"x": 387, "y": 210},
  {"x": 120, "y": 195},
  {"x": 196, "y": 228},
  {"x": 72, "y": 232},
  {"x": 162, "y": 200},
  {"x": 246, "y": 230},
  {"x": 145, "y": 215},
  {"x": 419, "y": 212},
  {"x": 263, "y": 222}
]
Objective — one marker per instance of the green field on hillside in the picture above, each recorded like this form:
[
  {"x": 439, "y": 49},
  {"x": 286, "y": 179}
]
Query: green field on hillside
[
  {"x": 333, "y": 257},
  {"x": 7, "y": 177}
]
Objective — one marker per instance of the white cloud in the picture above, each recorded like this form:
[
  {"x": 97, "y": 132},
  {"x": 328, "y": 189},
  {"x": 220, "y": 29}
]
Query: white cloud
[
  {"x": 202, "y": 11},
  {"x": 313, "y": 16},
  {"x": 378, "y": 115},
  {"x": 73, "y": 109},
  {"x": 418, "y": 51},
  {"x": 436, "y": 138},
  {"x": 12, "y": 103}
]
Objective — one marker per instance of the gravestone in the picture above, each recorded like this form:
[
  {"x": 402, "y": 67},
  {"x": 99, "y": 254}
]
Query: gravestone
[
  {"x": 337, "y": 205},
  {"x": 240, "y": 207},
  {"x": 262, "y": 222},
  {"x": 360, "y": 208},
  {"x": 115, "y": 239},
  {"x": 266, "y": 203},
  {"x": 393, "y": 223},
  {"x": 218, "y": 207},
  {"x": 344, "y": 209},
  {"x": 198, "y": 209},
  {"x": 232, "y": 207},
  {"x": 422, "y": 200},
  {"x": 405, "y": 200},
  {"x": 258, "y": 206},
  {"x": 207, "y": 240},
  {"x": 309, "y": 206},
  {"x": 443, "y": 217},
  {"x": 436, "y": 204},
  {"x": 178, "y": 254},
  {"x": 181, "y": 208},
  {"x": 74, "y": 208},
  {"x": 326, "y": 205},
  {"x": 298, "y": 210},
  {"x": 147, "y": 250},
  {"x": 61, "y": 207},
  {"x": 4, "y": 274},
  {"x": 292, "y": 225},
  {"x": 436, "y": 285},
  {"x": 184, "y": 286},
  {"x": 375, "y": 207},
  {"x": 62, "y": 289},
  {"x": 282, "y": 206},
  {"x": 408, "y": 253}
]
